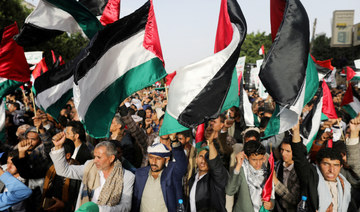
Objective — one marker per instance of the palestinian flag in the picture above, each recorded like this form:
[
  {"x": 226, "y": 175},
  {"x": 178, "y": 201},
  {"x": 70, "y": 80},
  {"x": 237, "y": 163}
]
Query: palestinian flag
[
  {"x": 14, "y": 70},
  {"x": 310, "y": 125},
  {"x": 269, "y": 185},
  {"x": 121, "y": 59},
  {"x": 53, "y": 17},
  {"x": 288, "y": 72},
  {"x": 201, "y": 91},
  {"x": 351, "y": 74},
  {"x": 323, "y": 67},
  {"x": 96, "y": 7},
  {"x": 53, "y": 89},
  {"x": 328, "y": 108},
  {"x": 39, "y": 69},
  {"x": 351, "y": 102}
]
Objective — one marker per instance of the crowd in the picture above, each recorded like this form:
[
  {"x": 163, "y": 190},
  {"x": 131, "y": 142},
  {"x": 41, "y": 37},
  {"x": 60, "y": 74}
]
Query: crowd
[{"x": 53, "y": 165}]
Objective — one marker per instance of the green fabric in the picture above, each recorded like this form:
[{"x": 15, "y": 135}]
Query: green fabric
[
  {"x": 102, "y": 109},
  {"x": 8, "y": 86},
  {"x": 262, "y": 209},
  {"x": 88, "y": 207},
  {"x": 170, "y": 125},
  {"x": 232, "y": 97},
  {"x": 350, "y": 111},
  {"x": 324, "y": 117},
  {"x": 86, "y": 20}
]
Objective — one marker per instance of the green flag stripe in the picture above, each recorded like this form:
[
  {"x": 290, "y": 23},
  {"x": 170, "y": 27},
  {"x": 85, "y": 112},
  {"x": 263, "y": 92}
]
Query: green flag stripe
[
  {"x": 232, "y": 98},
  {"x": 86, "y": 20},
  {"x": 104, "y": 106}
]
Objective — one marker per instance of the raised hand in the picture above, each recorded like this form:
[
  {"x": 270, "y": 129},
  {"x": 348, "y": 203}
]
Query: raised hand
[
  {"x": 58, "y": 140},
  {"x": 239, "y": 160},
  {"x": 23, "y": 146}
]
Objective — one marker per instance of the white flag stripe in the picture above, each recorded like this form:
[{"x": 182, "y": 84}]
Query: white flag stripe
[
  {"x": 355, "y": 105},
  {"x": 49, "y": 96},
  {"x": 2, "y": 115},
  {"x": 48, "y": 16},
  {"x": 112, "y": 65},
  {"x": 248, "y": 113},
  {"x": 191, "y": 79},
  {"x": 315, "y": 123}
]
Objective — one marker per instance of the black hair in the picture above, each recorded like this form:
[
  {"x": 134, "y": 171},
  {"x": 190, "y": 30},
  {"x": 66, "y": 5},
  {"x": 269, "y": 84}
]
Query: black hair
[
  {"x": 340, "y": 146},
  {"x": 185, "y": 133},
  {"x": 254, "y": 147},
  {"x": 15, "y": 104},
  {"x": 69, "y": 146},
  {"x": 252, "y": 133},
  {"x": 331, "y": 153},
  {"x": 263, "y": 122},
  {"x": 13, "y": 153},
  {"x": 222, "y": 118},
  {"x": 77, "y": 128}
]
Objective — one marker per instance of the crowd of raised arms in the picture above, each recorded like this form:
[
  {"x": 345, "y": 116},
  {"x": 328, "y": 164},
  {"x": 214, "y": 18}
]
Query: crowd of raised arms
[{"x": 52, "y": 164}]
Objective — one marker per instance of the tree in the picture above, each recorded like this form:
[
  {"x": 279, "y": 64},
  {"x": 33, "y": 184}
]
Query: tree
[
  {"x": 252, "y": 44},
  {"x": 12, "y": 10},
  {"x": 341, "y": 57}
]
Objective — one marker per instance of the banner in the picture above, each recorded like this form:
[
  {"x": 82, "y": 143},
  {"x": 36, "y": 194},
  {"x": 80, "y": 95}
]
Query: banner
[
  {"x": 342, "y": 24},
  {"x": 33, "y": 57},
  {"x": 240, "y": 65},
  {"x": 262, "y": 90}
]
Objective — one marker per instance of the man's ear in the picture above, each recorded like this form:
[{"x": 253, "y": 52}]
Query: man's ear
[
  {"x": 246, "y": 156},
  {"x": 77, "y": 136},
  {"x": 112, "y": 159},
  {"x": 187, "y": 139}
]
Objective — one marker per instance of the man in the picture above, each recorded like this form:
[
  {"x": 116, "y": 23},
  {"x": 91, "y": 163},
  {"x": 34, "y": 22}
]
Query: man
[
  {"x": 248, "y": 179},
  {"x": 158, "y": 187},
  {"x": 287, "y": 185},
  {"x": 11, "y": 168},
  {"x": 60, "y": 193},
  {"x": 207, "y": 186},
  {"x": 104, "y": 181},
  {"x": 326, "y": 189},
  {"x": 15, "y": 192},
  {"x": 75, "y": 132}
]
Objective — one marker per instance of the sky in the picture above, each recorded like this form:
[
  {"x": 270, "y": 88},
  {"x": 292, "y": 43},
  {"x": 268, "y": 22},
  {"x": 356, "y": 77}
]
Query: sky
[{"x": 187, "y": 28}]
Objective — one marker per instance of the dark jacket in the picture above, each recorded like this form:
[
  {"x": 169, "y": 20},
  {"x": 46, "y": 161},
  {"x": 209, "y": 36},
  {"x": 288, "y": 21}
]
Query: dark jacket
[
  {"x": 307, "y": 174},
  {"x": 171, "y": 179},
  {"x": 210, "y": 190},
  {"x": 83, "y": 154}
]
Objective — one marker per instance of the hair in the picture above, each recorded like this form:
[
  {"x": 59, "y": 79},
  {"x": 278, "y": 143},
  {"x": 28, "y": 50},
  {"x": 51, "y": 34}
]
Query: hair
[
  {"x": 340, "y": 146},
  {"x": 252, "y": 133},
  {"x": 110, "y": 147},
  {"x": 185, "y": 133},
  {"x": 77, "y": 128},
  {"x": 15, "y": 104},
  {"x": 69, "y": 146},
  {"x": 222, "y": 118},
  {"x": 13, "y": 153},
  {"x": 119, "y": 121},
  {"x": 263, "y": 122},
  {"x": 331, "y": 153},
  {"x": 254, "y": 147}
]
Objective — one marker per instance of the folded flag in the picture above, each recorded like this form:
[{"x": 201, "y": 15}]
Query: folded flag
[
  {"x": 268, "y": 187},
  {"x": 262, "y": 50},
  {"x": 96, "y": 7},
  {"x": 351, "y": 102},
  {"x": 328, "y": 108},
  {"x": 351, "y": 74},
  {"x": 311, "y": 123},
  {"x": 111, "y": 12},
  {"x": 323, "y": 67},
  {"x": 169, "y": 78},
  {"x": 288, "y": 72},
  {"x": 121, "y": 59},
  {"x": 39, "y": 69},
  {"x": 201, "y": 91},
  {"x": 245, "y": 105},
  {"x": 14, "y": 70},
  {"x": 53, "y": 89},
  {"x": 53, "y": 17}
]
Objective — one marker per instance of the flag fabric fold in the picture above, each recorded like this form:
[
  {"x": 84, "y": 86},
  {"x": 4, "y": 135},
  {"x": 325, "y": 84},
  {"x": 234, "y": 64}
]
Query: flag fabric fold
[
  {"x": 328, "y": 108},
  {"x": 351, "y": 102},
  {"x": 311, "y": 123},
  {"x": 351, "y": 74},
  {"x": 39, "y": 69},
  {"x": 53, "y": 17},
  {"x": 53, "y": 89},
  {"x": 111, "y": 12},
  {"x": 262, "y": 50},
  {"x": 201, "y": 91},
  {"x": 268, "y": 187},
  {"x": 323, "y": 67},
  {"x": 121, "y": 59},
  {"x": 13, "y": 64},
  {"x": 245, "y": 105},
  {"x": 288, "y": 72}
]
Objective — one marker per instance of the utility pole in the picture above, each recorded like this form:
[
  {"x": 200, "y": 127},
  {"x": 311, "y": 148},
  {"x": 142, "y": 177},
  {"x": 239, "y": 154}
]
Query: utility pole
[{"x": 313, "y": 35}]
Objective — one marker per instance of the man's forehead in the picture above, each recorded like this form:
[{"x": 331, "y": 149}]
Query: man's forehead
[
  {"x": 256, "y": 156},
  {"x": 328, "y": 160}
]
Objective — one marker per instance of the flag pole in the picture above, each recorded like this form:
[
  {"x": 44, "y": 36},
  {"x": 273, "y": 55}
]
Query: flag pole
[
  {"x": 24, "y": 96},
  {"x": 342, "y": 133},
  {"x": 33, "y": 100}
]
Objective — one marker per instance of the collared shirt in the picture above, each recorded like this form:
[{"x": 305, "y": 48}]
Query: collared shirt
[
  {"x": 334, "y": 193},
  {"x": 153, "y": 198},
  {"x": 97, "y": 191},
  {"x": 286, "y": 173},
  {"x": 193, "y": 192},
  {"x": 76, "y": 150}
]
